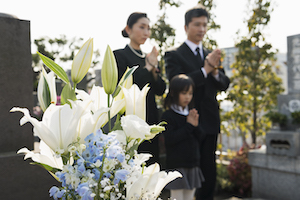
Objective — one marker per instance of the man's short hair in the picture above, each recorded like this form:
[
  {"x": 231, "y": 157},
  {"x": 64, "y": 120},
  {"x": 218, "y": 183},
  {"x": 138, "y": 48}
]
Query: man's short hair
[{"x": 197, "y": 11}]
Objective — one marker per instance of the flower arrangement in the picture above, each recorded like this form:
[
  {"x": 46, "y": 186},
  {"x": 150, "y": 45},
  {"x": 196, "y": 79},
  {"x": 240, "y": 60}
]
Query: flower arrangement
[{"x": 89, "y": 162}]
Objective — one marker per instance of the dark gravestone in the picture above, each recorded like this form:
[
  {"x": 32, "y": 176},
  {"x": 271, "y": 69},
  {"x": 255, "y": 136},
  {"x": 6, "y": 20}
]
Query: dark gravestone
[
  {"x": 15, "y": 83},
  {"x": 19, "y": 179}
]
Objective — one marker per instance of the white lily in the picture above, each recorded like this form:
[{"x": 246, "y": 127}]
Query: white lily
[
  {"x": 120, "y": 136},
  {"x": 135, "y": 128},
  {"x": 141, "y": 158},
  {"x": 50, "y": 80},
  {"x": 125, "y": 141},
  {"x": 82, "y": 61},
  {"x": 58, "y": 127},
  {"x": 150, "y": 183},
  {"x": 90, "y": 123},
  {"x": 46, "y": 156},
  {"x": 136, "y": 100},
  {"x": 99, "y": 106},
  {"x": 126, "y": 84}
]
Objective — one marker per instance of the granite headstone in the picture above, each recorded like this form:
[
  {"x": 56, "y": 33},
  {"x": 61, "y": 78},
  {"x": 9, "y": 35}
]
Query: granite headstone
[
  {"x": 291, "y": 102},
  {"x": 19, "y": 179}
]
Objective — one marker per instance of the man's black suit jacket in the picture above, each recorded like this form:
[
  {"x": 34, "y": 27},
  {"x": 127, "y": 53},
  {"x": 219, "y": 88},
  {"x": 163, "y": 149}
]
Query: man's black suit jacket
[{"x": 183, "y": 61}]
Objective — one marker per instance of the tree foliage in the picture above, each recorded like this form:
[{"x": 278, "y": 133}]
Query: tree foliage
[
  {"x": 164, "y": 3},
  {"x": 162, "y": 32},
  {"x": 208, "y": 41},
  {"x": 254, "y": 83}
]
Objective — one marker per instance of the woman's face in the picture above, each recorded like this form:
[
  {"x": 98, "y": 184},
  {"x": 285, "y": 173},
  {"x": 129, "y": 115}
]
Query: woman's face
[
  {"x": 185, "y": 97},
  {"x": 139, "y": 32}
]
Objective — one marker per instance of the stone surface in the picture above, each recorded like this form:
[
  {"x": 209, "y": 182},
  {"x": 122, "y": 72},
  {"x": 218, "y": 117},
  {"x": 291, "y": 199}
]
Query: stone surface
[
  {"x": 283, "y": 143},
  {"x": 293, "y": 43},
  {"x": 21, "y": 180},
  {"x": 274, "y": 177},
  {"x": 291, "y": 101},
  {"x": 16, "y": 83}
]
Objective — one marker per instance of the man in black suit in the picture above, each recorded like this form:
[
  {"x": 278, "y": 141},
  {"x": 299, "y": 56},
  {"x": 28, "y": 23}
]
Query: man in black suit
[{"x": 200, "y": 64}]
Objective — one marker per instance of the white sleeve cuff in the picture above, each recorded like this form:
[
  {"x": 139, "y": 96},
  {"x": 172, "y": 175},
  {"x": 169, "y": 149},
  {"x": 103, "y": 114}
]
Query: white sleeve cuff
[
  {"x": 217, "y": 77},
  {"x": 204, "y": 72}
]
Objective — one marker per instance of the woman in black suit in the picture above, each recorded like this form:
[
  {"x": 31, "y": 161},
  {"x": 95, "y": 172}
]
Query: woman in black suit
[{"x": 138, "y": 31}]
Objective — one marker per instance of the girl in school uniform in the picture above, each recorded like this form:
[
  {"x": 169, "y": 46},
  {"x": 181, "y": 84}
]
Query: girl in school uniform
[{"x": 182, "y": 137}]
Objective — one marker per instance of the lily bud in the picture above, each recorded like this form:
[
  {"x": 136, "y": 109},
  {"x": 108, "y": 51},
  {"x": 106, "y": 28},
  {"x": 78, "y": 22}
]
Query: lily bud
[
  {"x": 155, "y": 129},
  {"x": 109, "y": 72},
  {"x": 82, "y": 61},
  {"x": 46, "y": 91}
]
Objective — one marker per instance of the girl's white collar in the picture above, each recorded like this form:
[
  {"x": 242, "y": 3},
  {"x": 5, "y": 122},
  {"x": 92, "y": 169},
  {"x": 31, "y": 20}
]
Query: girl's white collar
[{"x": 178, "y": 109}]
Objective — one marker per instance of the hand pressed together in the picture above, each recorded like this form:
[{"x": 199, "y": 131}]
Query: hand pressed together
[{"x": 193, "y": 117}]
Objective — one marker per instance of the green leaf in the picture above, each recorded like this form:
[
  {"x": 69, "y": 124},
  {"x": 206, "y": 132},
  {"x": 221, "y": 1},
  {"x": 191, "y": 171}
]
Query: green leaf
[
  {"x": 58, "y": 70},
  {"x": 117, "y": 125},
  {"x": 133, "y": 148},
  {"x": 46, "y": 94},
  {"x": 67, "y": 93},
  {"x": 130, "y": 71},
  {"x": 162, "y": 123},
  {"x": 126, "y": 76}
]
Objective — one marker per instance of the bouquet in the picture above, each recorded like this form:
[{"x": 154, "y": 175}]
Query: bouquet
[{"x": 89, "y": 162}]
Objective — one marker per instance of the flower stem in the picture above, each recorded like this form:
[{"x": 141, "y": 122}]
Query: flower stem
[{"x": 108, "y": 105}]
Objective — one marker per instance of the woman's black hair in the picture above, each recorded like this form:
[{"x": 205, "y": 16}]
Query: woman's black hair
[
  {"x": 132, "y": 19},
  {"x": 178, "y": 83}
]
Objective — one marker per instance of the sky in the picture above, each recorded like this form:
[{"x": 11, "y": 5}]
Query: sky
[{"x": 103, "y": 20}]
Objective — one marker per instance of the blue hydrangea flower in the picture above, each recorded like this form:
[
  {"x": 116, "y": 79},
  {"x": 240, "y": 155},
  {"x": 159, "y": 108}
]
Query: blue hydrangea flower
[
  {"x": 62, "y": 178},
  {"x": 81, "y": 168},
  {"x": 97, "y": 174},
  {"x": 113, "y": 151},
  {"x": 120, "y": 174},
  {"x": 56, "y": 193},
  {"x": 84, "y": 191},
  {"x": 121, "y": 157}
]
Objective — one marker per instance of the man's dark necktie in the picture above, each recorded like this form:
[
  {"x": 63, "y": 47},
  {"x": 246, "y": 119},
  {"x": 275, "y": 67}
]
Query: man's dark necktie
[{"x": 199, "y": 57}]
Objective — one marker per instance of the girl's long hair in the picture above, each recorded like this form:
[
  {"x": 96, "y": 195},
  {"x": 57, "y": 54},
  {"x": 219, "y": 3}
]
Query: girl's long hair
[{"x": 178, "y": 83}]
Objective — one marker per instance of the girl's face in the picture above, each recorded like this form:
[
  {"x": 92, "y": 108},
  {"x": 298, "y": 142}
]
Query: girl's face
[
  {"x": 139, "y": 32},
  {"x": 185, "y": 97}
]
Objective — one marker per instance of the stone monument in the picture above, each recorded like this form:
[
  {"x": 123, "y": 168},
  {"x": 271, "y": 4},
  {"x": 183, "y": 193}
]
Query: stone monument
[
  {"x": 19, "y": 179},
  {"x": 291, "y": 102},
  {"x": 276, "y": 169}
]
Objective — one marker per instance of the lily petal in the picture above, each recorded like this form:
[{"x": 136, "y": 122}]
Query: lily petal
[
  {"x": 136, "y": 100},
  {"x": 46, "y": 156}
]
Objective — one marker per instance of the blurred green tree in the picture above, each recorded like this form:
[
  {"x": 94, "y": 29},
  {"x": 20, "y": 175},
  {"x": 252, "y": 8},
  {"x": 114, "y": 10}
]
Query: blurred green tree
[
  {"x": 254, "y": 84},
  {"x": 162, "y": 32}
]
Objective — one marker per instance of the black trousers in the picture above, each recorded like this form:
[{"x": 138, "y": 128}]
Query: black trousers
[{"x": 208, "y": 167}]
